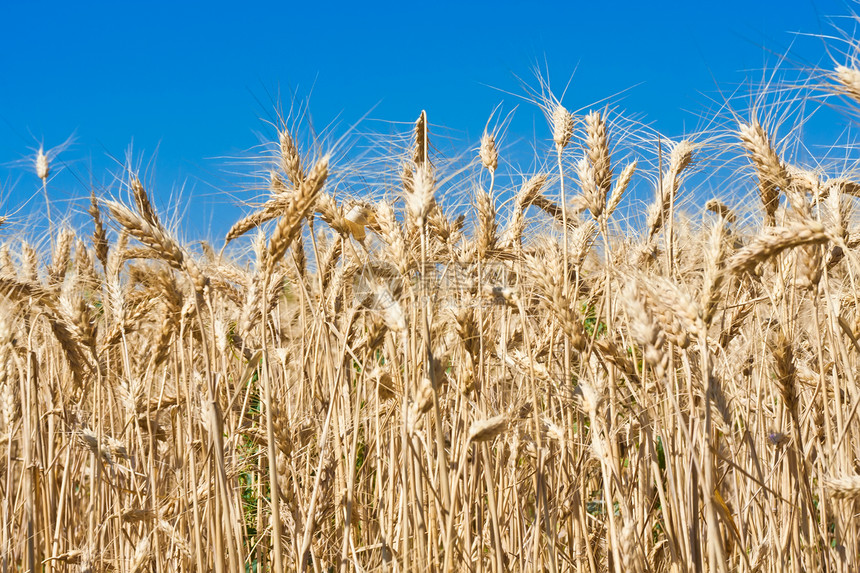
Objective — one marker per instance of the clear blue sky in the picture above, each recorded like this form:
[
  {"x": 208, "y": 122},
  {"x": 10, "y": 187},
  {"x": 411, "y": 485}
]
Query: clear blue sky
[{"x": 188, "y": 85}]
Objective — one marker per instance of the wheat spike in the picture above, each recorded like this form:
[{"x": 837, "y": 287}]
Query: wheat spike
[
  {"x": 291, "y": 161},
  {"x": 772, "y": 173},
  {"x": 488, "y": 430},
  {"x": 773, "y": 241},
  {"x": 562, "y": 126},
  {"x": 290, "y": 223}
]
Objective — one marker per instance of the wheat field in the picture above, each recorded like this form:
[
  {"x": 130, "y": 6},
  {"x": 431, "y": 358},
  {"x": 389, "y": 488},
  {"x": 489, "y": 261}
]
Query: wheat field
[{"x": 521, "y": 380}]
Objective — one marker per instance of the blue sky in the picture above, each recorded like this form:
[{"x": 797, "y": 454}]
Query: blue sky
[{"x": 188, "y": 87}]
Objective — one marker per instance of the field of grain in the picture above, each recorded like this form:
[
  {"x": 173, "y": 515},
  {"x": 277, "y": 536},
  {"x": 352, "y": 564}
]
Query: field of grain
[{"x": 521, "y": 380}]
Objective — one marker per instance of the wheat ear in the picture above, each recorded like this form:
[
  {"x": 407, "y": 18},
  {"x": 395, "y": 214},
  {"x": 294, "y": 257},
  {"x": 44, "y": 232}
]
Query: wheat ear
[
  {"x": 848, "y": 82},
  {"x": 772, "y": 173},
  {"x": 290, "y": 223},
  {"x": 773, "y": 241},
  {"x": 291, "y": 160}
]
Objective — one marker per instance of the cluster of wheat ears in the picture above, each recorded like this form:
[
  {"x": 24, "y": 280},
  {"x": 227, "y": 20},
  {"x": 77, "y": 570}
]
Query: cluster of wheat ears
[{"x": 399, "y": 384}]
